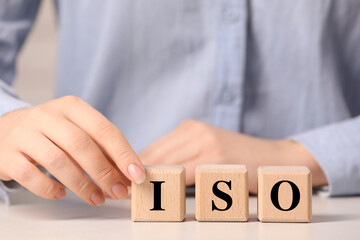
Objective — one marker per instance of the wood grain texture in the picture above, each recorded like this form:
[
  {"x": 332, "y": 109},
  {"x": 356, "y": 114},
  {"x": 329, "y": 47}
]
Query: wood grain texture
[
  {"x": 172, "y": 195},
  {"x": 268, "y": 177},
  {"x": 206, "y": 177}
]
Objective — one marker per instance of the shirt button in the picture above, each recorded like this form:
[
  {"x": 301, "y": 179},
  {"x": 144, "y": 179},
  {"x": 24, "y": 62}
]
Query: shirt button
[
  {"x": 228, "y": 96},
  {"x": 232, "y": 16}
]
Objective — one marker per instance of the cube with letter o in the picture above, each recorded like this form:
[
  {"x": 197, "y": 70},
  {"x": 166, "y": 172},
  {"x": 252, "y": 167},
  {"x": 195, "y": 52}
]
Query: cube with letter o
[{"x": 284, "y": 194}]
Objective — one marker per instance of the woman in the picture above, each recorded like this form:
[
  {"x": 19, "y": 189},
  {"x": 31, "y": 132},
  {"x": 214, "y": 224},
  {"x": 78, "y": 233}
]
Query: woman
[{"x": 265, "y": 82}]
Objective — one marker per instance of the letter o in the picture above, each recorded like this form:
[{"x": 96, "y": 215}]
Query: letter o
[{"x": 275, "y": 195}]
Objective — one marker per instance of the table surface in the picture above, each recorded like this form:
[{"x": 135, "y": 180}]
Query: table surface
[{"x": 30, "y": 217}]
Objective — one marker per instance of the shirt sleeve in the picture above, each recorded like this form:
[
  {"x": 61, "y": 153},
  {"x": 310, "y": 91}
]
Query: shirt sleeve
[
  {"x": 9, "y": 100},
  {"x": 336, "y": 148},
  {"x": 8, "y": 187},
  {"x": 16, "y": 20}
]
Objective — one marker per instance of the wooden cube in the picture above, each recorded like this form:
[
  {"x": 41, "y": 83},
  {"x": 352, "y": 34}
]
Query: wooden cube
[
  {"x": 222, "y": 193},
  {"x": 161, "y": 197},
  {"x": 284, "y": 194}
]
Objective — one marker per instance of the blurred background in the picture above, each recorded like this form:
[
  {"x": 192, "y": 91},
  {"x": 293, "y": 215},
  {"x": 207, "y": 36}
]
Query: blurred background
[{"x": 35, "y": 76}]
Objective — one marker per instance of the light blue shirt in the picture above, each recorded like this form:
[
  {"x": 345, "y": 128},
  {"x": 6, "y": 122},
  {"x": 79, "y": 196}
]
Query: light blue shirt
[{"x": 272, "y": 69}]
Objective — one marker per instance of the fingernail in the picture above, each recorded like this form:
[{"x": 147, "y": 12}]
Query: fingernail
[
  {"x": 60, "y": 193},
  {"x": 136, "y": 173},
  {"x": 119, "y": 190},
  {"x": 97, "y": 198}
]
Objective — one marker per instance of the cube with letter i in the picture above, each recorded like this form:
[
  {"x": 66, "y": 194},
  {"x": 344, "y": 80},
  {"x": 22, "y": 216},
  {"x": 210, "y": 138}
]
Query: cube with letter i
[
  {"x": 222, "y": 193},
  {"x": 161, "y": 197},
  {"x": 284, "y": 194}
]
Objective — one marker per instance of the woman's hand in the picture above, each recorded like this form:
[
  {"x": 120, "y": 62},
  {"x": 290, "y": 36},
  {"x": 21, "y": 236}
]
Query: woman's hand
[
  {"x": 67, "y": 137},
  {"x": 193, "y": 143}
]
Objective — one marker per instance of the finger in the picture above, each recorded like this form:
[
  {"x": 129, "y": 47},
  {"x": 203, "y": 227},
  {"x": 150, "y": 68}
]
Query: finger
[
  {"x": 163, "y": 145},
  {"x": 159, "y": 151},
  {"x": 190, "y": 167},
  {"x": 30, "y": 177},
  {"x": 107, "y": 136},
  {"x": 106, "y": 195},
  {"x": 87, "y": 154},
  {"x": 185, "y": 153},
  {"x": 124, "y": 179},
  {"x": 179, "y": 154},
  {"x": 61, "y": 166}
]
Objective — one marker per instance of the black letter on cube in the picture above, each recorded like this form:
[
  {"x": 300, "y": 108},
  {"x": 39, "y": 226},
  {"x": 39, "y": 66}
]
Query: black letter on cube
[
  {"x": 157, "y": 196},
  {"x": 275, "y": 195},
  {"x": 222, "y": 195}
]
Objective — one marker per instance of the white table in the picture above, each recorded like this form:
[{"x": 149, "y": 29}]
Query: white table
[{"x": 30, "y": 217}]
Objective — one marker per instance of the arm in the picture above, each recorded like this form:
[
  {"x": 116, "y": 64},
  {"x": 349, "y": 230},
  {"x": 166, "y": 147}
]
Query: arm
[
  {"x": 16, "y": 19},
  {"x": 332, "y": 152},
  {"x": 336, "y": 148},
  {"x": 65, "y": 136}
]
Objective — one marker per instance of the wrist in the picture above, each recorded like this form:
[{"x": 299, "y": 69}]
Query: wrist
[{"x": 295, "y": 154}]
